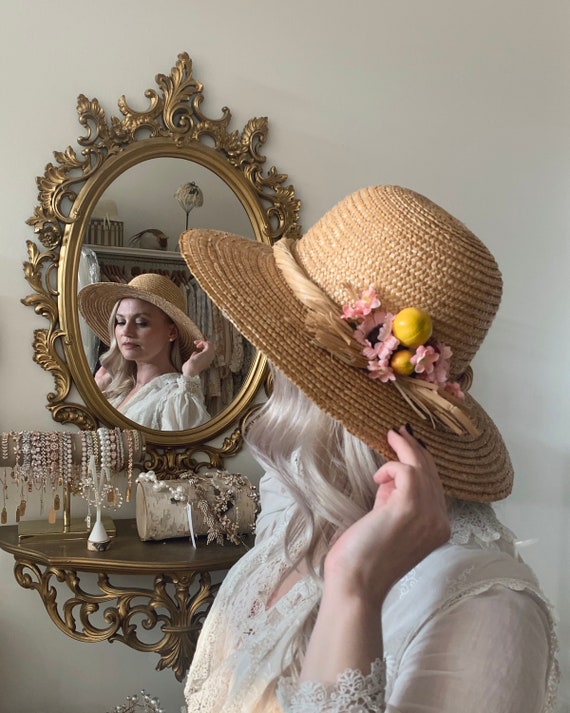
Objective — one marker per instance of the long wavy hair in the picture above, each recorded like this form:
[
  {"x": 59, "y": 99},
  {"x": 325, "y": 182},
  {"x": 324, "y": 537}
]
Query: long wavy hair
[
  {"x": 123, "y": 372},
  {"x": 327, "y": 471}
]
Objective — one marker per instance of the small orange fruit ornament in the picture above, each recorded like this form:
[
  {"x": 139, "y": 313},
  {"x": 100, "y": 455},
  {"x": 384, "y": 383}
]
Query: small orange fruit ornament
[
  {"x": 412, "y": 327},
  {"x": 400, "y": 362}
]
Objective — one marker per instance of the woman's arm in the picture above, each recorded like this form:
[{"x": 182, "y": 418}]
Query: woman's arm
[{"x": 408, "y": 521}]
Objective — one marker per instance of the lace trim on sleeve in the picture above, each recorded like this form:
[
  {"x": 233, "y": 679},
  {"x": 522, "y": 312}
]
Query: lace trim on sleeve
[
  {"x": 353, "y": 692},
  {"x": 190, "y": 385}
]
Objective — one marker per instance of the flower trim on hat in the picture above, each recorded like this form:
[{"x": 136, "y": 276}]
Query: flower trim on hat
[
  {"x": 389, "y": 356},
  {"x": 362, "y": 337},
  {"x": 399, "y": 349}
]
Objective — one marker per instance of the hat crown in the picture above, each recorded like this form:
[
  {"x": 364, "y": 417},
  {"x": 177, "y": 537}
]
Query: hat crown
[
  {"x": 160, "y": 286},
  {"x": 415, "y": 254}
]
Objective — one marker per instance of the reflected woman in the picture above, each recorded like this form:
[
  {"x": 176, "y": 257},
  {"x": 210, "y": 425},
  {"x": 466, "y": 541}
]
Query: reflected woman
[{"x": 151, "y": 371}]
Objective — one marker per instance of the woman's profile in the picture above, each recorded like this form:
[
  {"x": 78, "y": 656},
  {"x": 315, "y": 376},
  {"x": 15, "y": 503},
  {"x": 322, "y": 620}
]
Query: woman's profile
[
  {"x": 381, "y": 578},
  {"x": 151, "y": 371}
]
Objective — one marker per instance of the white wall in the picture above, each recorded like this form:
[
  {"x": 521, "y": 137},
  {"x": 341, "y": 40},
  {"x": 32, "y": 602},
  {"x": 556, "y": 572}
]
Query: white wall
[{"x": 465, "y": 102}]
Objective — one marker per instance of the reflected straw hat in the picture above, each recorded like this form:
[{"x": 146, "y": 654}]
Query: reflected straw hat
[
  {"x": 324, "y": 310},
  {"x": 96, "y": 303}
]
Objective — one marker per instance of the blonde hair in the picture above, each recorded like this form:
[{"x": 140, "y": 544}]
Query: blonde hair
[
  {"x": 123, "y": 373},
  {"x": 327, "y": 471}
]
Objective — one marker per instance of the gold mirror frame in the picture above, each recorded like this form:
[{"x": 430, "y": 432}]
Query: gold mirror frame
[{"x": 172, "y": 126}]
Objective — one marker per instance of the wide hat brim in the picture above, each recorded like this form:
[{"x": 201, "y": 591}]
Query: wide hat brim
[
  {"x": 96, "y": 303},
  {"x": 242, "y": 278}
]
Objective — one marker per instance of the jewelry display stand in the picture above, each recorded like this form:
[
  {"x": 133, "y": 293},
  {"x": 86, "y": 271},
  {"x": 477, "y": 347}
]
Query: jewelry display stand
[{"x": 54, "y": 462}]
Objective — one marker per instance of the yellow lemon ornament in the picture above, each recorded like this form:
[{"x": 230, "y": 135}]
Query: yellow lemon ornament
[
  {"x": 400, "y": 362},
  {"x": 412, "y": 327}
]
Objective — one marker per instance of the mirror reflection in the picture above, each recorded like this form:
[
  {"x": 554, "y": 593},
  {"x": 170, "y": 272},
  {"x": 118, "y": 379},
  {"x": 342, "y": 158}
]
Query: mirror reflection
[
  {"x": 113, "y": 211},
  {"x": 134, "y": 231},
  {"x": 143, "y": 199}
]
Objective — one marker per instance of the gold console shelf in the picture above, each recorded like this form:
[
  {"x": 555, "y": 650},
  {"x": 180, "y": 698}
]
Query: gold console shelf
[{"x": 174, "y": 607}]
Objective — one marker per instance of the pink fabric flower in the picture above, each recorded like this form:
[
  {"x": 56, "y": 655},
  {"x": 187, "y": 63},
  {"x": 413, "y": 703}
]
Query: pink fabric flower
[
  {"x": 368, "y": 301},
  {"x": 372, "y": 352},
  {"x": 387, "y": 347},
  {"x": 362, "y": 307},
  {"x": 385, "y": 332},
  {"x": 441, "y": 371},
  {"x": 349, "y": 312},
  {"x": 382, "y": 351},
  {"x": 381, "y": 370},
  {"x": 424, "y": 359},
  {"x": 369, "y": 324},
  {"x": 453, "y": 388}
]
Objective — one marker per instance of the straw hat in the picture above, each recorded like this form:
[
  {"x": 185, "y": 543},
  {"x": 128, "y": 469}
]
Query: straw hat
[
  {"x": 288, "y": 299},
  {"x": 96, "y": 302}
]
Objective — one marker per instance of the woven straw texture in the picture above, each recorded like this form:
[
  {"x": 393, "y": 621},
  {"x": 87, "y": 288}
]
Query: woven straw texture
[
  {"x": 96, "y": 302},
  {"x": 415, "y": 254}
]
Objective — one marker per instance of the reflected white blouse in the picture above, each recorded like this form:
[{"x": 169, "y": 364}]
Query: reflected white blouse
[
  {"x": 170, "y": 402},
  {"x": 466, "y": 631}
]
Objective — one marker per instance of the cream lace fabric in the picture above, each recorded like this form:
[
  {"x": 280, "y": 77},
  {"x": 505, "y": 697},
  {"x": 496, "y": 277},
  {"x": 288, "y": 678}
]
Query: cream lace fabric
[
  {"x": 170, "y": 402},
  {"x": 466, "y": 630},
  {"x": 353, "y": 693}
]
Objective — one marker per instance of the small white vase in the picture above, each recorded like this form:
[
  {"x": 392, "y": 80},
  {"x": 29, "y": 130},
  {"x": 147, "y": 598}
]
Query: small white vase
[{"x": 99, "y": 540}]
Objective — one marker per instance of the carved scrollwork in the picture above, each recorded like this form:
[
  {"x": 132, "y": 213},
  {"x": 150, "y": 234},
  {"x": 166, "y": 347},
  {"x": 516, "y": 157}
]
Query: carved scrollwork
[
  {"x": 171, "y": 125},
  {"x": 39, "y": 271},
  {"x": 174, "y": 610},
  {"x": 174, "y": 461},
  {"x": 175, "y": 116}
]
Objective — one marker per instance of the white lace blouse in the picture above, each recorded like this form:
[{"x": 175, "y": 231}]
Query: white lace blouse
[
  {"x": 466, "y": 631},
  {"x": 170, "y": 402}
]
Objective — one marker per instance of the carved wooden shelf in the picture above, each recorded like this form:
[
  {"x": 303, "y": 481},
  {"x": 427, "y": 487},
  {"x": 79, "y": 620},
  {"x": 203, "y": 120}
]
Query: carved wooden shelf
[{"x": 174, "y": 607}]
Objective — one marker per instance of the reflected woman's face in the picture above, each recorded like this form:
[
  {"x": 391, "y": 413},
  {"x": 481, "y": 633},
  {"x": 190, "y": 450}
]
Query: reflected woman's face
[{"x": 143, "y": 332}]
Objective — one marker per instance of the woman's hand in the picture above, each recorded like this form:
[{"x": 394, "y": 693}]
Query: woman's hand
[
  {"x": 102, "y": 378},
  {"x": 407, "y": 522},
  {"x": 200, "y": 359}
]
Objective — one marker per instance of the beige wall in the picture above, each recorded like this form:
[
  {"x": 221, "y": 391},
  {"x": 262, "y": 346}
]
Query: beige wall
[{"x": 466, "y": 102}]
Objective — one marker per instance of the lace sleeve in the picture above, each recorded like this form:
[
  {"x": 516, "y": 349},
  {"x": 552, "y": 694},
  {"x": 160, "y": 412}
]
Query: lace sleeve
[
  {"x": 353, "y": 693},
  {"x": 182, "y": 406}
]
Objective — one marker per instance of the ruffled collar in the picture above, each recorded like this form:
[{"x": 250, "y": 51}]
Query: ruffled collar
[{"x": 476, "y": 524}]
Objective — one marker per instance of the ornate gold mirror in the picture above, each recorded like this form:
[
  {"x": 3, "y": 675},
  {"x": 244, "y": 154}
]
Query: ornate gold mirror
[{"x": 122, "y": 186}]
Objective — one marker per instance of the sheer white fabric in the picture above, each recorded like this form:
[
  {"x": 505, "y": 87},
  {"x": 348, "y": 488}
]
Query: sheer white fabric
[
  {"x": 466, "y": 630},
  {"x": 170, "y": 402}
]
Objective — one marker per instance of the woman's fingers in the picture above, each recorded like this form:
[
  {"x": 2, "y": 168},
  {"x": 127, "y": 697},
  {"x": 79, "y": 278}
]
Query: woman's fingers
[
  {"x": 200, "y": 359},
  {"x": 409, "y": 452},
  {"x": 406, "y": 446},
  {"x": 411, "y": 485}
]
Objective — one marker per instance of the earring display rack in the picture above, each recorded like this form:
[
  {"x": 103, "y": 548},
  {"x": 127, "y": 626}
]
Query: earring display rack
[{"x": 55, "y": 465}]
